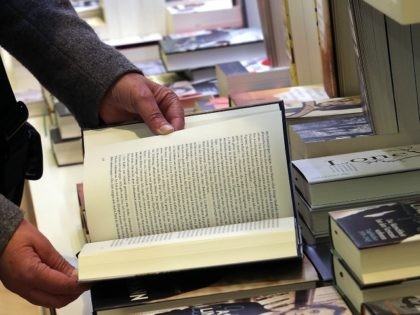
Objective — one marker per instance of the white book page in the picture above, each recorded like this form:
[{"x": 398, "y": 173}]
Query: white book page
[
  {"x": 217, "y": 174},
  {"x": 234, "y": 230},
  {"x": 116, "y": 134}
]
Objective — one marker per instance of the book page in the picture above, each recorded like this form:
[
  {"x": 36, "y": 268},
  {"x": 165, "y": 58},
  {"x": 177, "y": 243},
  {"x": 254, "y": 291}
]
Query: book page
[
  {"x": 217, "y": 174},
  {"x": 94, "y": 137}
]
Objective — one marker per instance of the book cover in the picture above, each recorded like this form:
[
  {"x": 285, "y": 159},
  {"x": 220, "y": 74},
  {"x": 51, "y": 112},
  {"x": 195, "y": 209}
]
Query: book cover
[
  {"x": 210, "y": 285},
  {"x": 250, "y": 75},
  {"x": 206, "y": 48},
  {"x": 380, "y": 225},
  {"x": 321, "y": 300},
  {"x": 378, "y": 244},
  {"x": 404, "y": 305},
  {"x": 207, "y": 39},
  {"x": 360, "y": 164},
  {"x": 302, "y": 102},
  {"x": 333, "y": 128},
  {"x": 371, "y": 175}
]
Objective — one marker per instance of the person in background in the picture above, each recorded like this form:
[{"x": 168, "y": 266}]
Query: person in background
[{"x": 99, "y": 86}]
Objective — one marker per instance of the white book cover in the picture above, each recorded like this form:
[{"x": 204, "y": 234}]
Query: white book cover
[{"x": 360, "y": 164}]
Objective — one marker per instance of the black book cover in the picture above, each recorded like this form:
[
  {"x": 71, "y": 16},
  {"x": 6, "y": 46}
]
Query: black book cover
[{"x": 382, "y": 225}]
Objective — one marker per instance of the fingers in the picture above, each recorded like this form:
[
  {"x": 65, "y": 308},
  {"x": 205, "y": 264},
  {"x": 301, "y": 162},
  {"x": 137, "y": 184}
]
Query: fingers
[
  {"x": 133, "y": 95},
  {"x": 32, "y": 268},
  {"x": 169, "y": 104}
]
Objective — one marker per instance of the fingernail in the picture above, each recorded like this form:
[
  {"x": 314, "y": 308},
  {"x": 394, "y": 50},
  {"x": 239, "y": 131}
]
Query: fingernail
[
  {"x": 165, "y": 129},
  {"x": 74, "y": 273}
]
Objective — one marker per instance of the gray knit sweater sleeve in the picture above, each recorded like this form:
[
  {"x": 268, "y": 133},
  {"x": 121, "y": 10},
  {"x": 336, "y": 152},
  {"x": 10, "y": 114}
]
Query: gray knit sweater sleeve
[
  {"x": 63, "y": 53},
  {"x": 67, "y": 57},
  {"x": 10, "y": 217}
]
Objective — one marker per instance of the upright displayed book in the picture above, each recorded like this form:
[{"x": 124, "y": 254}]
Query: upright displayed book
[
  {"x": 196, "y": 287},
  {"x": 376, "y": 252},
  {"x": 250, "y": 75},
  {"x": 368, "y": 175},
  {"x": 205, "y": 48},
  {"x": 203, "y": 15},
  {"x": 231, "y": 206}
]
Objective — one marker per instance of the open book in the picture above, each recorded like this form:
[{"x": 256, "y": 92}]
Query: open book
[{"x": 216, "y": 193}]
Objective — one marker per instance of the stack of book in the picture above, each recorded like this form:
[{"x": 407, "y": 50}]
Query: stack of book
[
  {"x": 376, "y": 252},
  {"x": 190, "y": 16},
  {"x": 315, "y": 138},
  {"x": 250, "y": 75},
  {"x": 352, "y": 180},
  {"x": 66, "y": 137},
  {"x": 204, "y": 48}
]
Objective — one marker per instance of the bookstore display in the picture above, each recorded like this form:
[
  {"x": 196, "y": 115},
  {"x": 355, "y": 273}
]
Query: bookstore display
[
  {"x": 293, "y": 187},
  {"x": 242, "y": 183}
]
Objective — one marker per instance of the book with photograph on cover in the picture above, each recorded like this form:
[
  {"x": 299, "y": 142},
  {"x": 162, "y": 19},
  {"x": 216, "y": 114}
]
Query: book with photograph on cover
[
  {"x": 379, "y": 243},
  {"x": 222, "y": 184},
  {"x": 206, "y": 48},
  {"x": 194, "y": 287},
  {"x": 321, "y": 300}
]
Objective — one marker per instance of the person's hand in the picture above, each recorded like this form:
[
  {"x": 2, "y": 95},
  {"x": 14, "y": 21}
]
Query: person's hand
[
  {"x": 133, "y": 96},
  {"x": 32, "y": 268}
]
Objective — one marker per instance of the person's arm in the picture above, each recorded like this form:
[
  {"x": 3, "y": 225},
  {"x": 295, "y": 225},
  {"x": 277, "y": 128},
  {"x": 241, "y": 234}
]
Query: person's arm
[{"x": 69, "y": 59}]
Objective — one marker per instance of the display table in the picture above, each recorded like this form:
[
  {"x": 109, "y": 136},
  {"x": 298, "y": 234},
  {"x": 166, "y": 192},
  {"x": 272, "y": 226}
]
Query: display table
[{"x": 56, "y": 210}]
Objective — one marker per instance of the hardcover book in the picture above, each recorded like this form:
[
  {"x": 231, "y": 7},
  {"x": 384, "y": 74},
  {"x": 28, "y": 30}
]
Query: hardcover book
[
  {"x": 217, "y": 193},
  {"x": 206, "y": 48},
  {"x": 355, "y": 295},
  {"x": 302, "y": 103},
  {"x": 369, "y": 176},
  {"x": 203, "y": 15},
  {"x": 321, "y": 300},
  {"x": 379, "y": 243},
  {"x": 321, "y": 137},
  {"x": 195, "y": 287},
  {"x": 403, "y": 305},
  {"x": 250, "y": 75}
]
